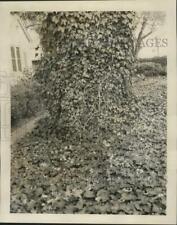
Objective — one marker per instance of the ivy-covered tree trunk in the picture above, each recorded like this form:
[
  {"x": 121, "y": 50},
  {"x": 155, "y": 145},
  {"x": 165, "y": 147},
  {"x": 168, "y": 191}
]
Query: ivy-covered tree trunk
[{"x": 86, "y": 71}]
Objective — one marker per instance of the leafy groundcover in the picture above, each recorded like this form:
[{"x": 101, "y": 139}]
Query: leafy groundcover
[{"x": 124, "y": 176}]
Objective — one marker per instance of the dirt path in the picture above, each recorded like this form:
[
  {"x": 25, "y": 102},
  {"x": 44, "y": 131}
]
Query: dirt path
[{"x": 25, "y": 127}]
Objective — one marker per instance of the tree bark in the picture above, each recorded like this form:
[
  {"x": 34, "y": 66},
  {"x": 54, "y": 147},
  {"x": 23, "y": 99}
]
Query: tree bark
[{"x": 141, "y": 37}]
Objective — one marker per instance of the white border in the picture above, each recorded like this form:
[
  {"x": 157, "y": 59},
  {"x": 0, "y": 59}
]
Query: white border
[{"x": 137, "y": 5}]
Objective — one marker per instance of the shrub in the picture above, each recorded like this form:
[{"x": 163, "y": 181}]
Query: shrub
[
  {"x": 151, "y": 69},
  {"x": 25, "y": 100},
  {"x": 161, "y": 60}
]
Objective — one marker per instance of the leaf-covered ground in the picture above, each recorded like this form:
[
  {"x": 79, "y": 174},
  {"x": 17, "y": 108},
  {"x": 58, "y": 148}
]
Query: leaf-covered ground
[{"x": 52, "y": 176}]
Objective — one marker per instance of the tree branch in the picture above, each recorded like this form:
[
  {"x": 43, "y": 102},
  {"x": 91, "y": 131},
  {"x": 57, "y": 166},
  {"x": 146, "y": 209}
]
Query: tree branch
[
  {"x": 146, "y": 35},
  {"x": 139, "y": 39},
  {"x": 32, "y": 25},
  {"x": 142, "y": 28}
]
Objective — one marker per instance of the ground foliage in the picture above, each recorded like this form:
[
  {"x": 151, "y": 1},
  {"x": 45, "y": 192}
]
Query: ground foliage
[
  {"x": 25, "y": 100},
  {"x": 52, "y": 175},
  {"x": 88, "y": 155}
]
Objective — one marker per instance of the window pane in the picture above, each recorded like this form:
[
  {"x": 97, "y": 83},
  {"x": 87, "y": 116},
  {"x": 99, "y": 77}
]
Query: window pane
[
  {"x": 14, "y": 66},
  {"x": 19, "y": 65},
  {"x": 18, "y": 52},
  {"x": 18, "y": 59},
  {"x": 12, "y": 52}
]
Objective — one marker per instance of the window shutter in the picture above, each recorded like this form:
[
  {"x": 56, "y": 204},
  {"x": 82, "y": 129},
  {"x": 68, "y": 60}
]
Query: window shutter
[
  {"x": 14, "y": 66},
  {"x": 19, "y": 59}
]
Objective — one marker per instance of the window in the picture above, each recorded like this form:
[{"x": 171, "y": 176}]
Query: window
[
  {"x": 16, "y": 59},
  {"x": 14, "y": 66}
]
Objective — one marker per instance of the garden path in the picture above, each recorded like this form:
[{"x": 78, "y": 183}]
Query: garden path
[{"x": 26, "y": 126}]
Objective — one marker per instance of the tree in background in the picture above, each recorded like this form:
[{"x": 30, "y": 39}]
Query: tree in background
[{"x": 146, "y": 24}]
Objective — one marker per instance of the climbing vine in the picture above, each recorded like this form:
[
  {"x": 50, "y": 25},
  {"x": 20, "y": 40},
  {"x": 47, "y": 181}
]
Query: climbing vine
[{"x": 86, "y": 70}]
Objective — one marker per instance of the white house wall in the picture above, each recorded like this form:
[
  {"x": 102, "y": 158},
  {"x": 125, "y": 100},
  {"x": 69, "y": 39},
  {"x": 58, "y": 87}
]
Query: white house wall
[
  {"x": 5, "y": 43},
  {"x": 13, "y": 35},
  {"x": 20, "y": 40}
]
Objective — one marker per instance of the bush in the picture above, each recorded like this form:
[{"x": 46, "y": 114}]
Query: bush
[
  {"x": 161, "y": 60},
  {"x": 25, "y": 100},
  {"x": 151, "y": 69}
]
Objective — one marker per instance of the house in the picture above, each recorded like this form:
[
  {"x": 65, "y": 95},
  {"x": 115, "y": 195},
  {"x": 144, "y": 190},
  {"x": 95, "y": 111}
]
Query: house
[{"x": 17, "y": 46}]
